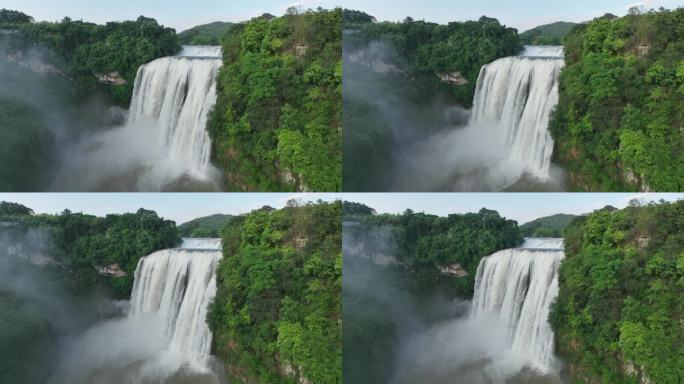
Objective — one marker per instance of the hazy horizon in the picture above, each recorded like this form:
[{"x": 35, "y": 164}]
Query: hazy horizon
[
  {"x": 523, "y": 15},
  {"x": 177, "y": 14}
]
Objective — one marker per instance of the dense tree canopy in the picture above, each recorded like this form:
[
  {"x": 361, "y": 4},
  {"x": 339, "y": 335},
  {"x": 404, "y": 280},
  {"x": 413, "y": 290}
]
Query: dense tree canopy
[
  {"x": 424, "y": 243},
  {"x": 10, "y": 209},
  {"x": 277, "y": 122},
  {"x": 352, "y": 208},
  {"x": 12, "y": 19},
  {"x": 276, "y": 316},
  {"x": 85, "y": 243},
  {"x": 90, "y": 50},
  {"x": 621, "y": 287},
  {"x": 430, "y": 48},
  {"x": 618, "y": 123},
  {"x": 352, "y": 18}
]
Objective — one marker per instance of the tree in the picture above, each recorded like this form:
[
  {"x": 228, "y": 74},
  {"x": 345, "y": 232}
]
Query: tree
[{"x": 11, "y": 209}]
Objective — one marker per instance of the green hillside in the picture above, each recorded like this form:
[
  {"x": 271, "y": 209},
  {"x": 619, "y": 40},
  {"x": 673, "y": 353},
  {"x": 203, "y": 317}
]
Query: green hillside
[
  {"x": 549, "y": 226},
  {"x": 209, "y": 226},
  {"x": 548, "y": 34},
  {"x": 206, "y": 34},
  {"x": 618, "y": 123}
]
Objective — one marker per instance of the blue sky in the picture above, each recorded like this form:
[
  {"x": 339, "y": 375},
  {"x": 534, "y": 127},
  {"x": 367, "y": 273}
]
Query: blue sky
[
  {"x": 183, "y": 207},
  {"x": 522, "y": 207},
  {"x": 179, "y": 14},
  {"x": 180, "y": 207},
  {"x": 183, "y": 14},
  {"x": 521, "y": 14}
]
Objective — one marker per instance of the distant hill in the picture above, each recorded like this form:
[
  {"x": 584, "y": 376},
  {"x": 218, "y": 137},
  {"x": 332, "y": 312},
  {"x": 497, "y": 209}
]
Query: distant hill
[
  {"x": 549, "y": 226},
  {"x": 206, "y": 34},
  {"x": 549, "y": 34},
  {"x": 209, "y": 226}
]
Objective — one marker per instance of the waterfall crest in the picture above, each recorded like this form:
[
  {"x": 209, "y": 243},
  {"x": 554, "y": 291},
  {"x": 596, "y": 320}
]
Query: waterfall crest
[
  {"x": 519, "y": 286},
  {"x": 177, "y": 285},
  {"x": 518, "y": 94}
]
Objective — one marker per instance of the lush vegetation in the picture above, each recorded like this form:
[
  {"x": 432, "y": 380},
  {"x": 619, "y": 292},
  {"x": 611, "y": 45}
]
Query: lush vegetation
[
  {"x": 424, "y": 243},
  {"x": 276, "y": 317},
  {"x": 393, "y": 95},
  {"x": 10, "y": 19},
  {"x": 209, "y": 226},
  {"x": 84, "y": 243},
  {"x": 206, "y": 34},
  {"x": 26, "y": 147},
  {"x": 36, "y": 304},
  {"x": 548, "y": 34},
  {"x": 618, "y": 123},
  {"x": 352, "y": 18},
  {"x": 277, "y": 122},
  {"x": 427, "y": 49},
  {"x": 14, "y": 209},
  {"x": 618, "y": 317},
  {"x": 549, "y": 226},
  {"x": 87, "y": 50}
]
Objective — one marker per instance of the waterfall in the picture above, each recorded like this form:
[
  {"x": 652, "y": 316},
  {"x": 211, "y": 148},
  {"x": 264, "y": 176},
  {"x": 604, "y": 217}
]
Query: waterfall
[
  {"x": 177, "y": 285},
  {"x": 518, "y": 94},
  {"x": 519, "y": 286},
  {"x": 177, "y": 93},
  {"x": 164, "y": 144}
]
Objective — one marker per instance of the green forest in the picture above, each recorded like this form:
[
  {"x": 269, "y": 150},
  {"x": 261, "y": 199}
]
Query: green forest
[
  {"x": 277, "y": 313},
  {"x": 549, "y": 226},
  {"x": 547, "y": 34},
  {"x": 617, "y": 126},
  {"x": 277, "y": 123},
  {"x": 205, "y": 34},
  {"x": 83, "y": 243},
  {"x": 86, "y": 50},
  {"x": 26, "y": 146},
  {"x": 394, "y": 96},
  {"x": 426, "y": 49},
  {"x": 208, "y": 226},
  {"x": 425, "y": 242},
  {"x": 621, "y": 287}
]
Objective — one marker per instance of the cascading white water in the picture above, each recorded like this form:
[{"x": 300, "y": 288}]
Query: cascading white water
[
  {"x": 177, "y": 93},
  {"x": 164, "y": 143},
  {"x": 518, "y": 94},
  {"x": 201, "y": 243},
  {"x": 177, "y": 286},
  {"x": 519, "y": 286}
]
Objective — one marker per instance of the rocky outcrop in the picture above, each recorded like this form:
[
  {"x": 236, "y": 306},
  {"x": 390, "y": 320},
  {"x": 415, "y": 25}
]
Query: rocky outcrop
[
  {"x": 111, "y": 78},
  {"x": 633, "y": 370},
  {"x": 300, "y": 50},
  {"x": 111, "y": 270},
  {"x": 453, "y": 270},
  {"x": 288, "y": 370},
  {"x": 642, "y": 49},
  {"x": 455, "y": 78},
  {"x": 301, "y": 241}
]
